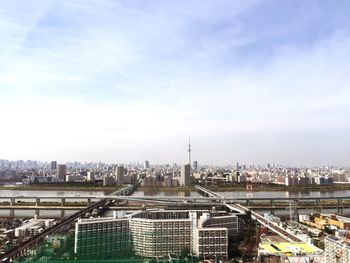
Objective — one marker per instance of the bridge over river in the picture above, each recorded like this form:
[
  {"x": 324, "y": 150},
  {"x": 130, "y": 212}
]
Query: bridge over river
[{"x": 238, "y": 204}]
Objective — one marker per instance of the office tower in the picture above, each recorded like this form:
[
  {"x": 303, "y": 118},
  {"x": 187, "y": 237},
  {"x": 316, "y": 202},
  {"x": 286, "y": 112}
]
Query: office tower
[
  {"x": 185, "y": 176},
  {"x": 237, "y": 166},
  {"x": 119, "y": 174},
  {"x": 90, "y": 176},
  {"x": 146, "y": 165},
  {"x": 195, "y": 165},
  {"x": 62, "y": 172},
  {"x": 53, "y": 165}
]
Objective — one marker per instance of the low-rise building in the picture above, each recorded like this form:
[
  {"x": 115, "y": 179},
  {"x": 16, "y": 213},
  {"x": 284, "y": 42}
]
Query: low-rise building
[{"x": 290, "y": 252}]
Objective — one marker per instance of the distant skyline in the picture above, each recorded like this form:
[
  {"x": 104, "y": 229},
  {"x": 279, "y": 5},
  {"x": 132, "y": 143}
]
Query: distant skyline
[{"x": 127, "y": 81}]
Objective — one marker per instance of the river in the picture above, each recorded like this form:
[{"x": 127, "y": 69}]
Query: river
[{"x": 62, "y": 194}]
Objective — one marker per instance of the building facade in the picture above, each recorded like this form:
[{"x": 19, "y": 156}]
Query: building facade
[
  {"x": 337, "y": 250},
  {"x": 185, "y": 176},
  {"x": 62, "y": 172},
  {"x": 211, "y": 241},
  {"x": 102, "y": 237},
  {"x": 156, "y": 233},
  {"x": 119, "y": 174}
]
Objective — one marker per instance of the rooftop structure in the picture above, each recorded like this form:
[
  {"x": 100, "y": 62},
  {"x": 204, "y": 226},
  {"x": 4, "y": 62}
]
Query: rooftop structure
[{"x": 294, "y": 252}]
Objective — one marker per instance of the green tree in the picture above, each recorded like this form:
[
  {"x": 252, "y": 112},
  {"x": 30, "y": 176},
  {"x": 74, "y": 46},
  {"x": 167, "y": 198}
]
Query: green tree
[{"x": 185, "y": 251}]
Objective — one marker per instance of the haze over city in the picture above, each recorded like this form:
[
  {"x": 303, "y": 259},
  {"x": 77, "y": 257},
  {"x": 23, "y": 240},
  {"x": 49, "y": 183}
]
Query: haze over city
[{"x": 127, "y": 81}]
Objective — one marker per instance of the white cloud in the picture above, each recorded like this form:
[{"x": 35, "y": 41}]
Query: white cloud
[{"x": 118, "y": 82}]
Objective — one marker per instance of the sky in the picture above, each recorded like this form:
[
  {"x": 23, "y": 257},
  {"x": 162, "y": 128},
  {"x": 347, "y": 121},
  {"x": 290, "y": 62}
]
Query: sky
[{"x": 127, "y": 81}]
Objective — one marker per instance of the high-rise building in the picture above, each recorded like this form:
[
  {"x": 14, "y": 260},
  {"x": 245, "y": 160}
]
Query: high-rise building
[
  {"x": 185, "y": 176},
  {"x": 119, "y": 174},
  {"x": 90, "y": 176},
  {"x": 54, "y": 165},
  {"x": 62, "y": 172},
  {"x": 195, "y": 165},
  {"x": 146, "y": 165}
]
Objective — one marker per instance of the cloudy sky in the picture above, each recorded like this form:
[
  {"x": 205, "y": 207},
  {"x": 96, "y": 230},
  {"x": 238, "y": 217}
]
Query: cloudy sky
[{"x": 126, "y": 81}]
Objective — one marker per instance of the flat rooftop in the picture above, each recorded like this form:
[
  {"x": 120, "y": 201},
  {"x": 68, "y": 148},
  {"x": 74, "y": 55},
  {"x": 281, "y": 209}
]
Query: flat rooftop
[{"x": 290, "y": 248}]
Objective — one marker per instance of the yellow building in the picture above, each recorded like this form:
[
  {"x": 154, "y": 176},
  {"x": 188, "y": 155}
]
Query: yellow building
[{"x": 332, "y": 220}]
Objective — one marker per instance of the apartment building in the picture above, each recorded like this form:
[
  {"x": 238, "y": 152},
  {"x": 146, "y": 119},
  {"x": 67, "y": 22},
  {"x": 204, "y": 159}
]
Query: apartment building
[
  {"x": 156, "y": 237},
  {"x": 209, "y": 242},
  {"x": 218, "y": 220},
  {"x": 33, "y": 227},
  {"x": 337, "y": 250},
  {"x": 156, "y": 233},
  {"x": 102, "y": 237}
]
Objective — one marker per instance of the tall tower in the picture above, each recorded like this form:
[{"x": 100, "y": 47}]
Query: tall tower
[{"x": 189, "y": 151}]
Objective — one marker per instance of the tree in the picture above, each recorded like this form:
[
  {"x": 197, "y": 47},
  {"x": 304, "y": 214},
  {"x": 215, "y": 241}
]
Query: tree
[{"x": 185, "y": 251}]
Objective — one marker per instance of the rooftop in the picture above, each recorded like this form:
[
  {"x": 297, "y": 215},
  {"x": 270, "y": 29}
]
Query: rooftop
[{"x": 290, "y": 248}]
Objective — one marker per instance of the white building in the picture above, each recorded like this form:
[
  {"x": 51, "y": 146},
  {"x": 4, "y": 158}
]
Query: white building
[
  {"x": 337, "y": 250},
  {"x": 156, "y": 233},
  {"x": 75, "y": 178},
  {"x": 90, "y": 176},
  {"x": 33, "y": 227}
]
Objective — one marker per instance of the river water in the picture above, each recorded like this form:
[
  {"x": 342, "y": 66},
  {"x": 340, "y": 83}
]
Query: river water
[
  {"x": 62, "y": 194},
  {"x": 4, "y": 194},
  {"x": 280, "y": 194}
]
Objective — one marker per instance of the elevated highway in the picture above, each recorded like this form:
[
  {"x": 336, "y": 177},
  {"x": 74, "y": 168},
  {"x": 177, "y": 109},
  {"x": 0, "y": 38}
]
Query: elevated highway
[
  {"x": 265, "y": 222},
  {"x": 217, "y": 197}
]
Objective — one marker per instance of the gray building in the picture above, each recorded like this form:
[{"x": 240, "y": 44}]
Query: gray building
[
  {"x": 53, "y": 165},
  {"x": 146, "y": 165},
  {"x": 185, "y": 176},
  {"x": 195, "y": 165},
  {"x": 108, "y": 180},
  {"x": 62, "y": 172},
  {"x": 119, "y": 174}
]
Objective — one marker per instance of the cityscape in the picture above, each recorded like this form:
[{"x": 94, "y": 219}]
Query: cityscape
[
  {"x": 137, "y": 212},
  {"x": 174, "y": 131}
]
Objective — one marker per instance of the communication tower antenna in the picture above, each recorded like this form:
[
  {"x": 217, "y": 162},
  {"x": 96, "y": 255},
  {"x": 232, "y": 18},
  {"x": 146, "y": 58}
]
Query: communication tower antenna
[{"x": 189, "y": 150}]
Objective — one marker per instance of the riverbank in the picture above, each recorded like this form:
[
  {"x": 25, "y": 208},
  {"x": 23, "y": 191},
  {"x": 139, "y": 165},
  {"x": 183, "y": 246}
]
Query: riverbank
[
  {"x": 275, "y": 187},
  {"x": 63, "y": 187},
  {"x": 232, "y": 187},
  {"x": 166, "y": 188}
]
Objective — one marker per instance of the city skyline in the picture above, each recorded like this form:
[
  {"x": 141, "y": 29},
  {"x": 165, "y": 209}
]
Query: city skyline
[{"x": 249, "y": 81}]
